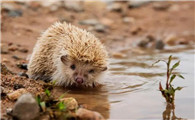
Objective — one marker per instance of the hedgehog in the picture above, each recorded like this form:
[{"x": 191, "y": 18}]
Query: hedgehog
[{"x": 68, "y": 55}]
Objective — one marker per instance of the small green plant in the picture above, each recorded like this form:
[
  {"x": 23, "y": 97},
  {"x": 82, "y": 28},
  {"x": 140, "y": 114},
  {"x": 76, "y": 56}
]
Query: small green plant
[
  {"x": 169, "y": 92},
  {"x": 54, "y": 107}
]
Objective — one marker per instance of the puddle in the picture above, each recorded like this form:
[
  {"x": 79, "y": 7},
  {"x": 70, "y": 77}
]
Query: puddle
[{"x": 130, "y": 88}]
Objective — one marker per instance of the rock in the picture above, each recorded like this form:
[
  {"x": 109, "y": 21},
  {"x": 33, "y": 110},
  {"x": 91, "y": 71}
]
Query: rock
[
  {"x": 159, "y": 45},
  {"x": 119, "y": 55},
  {"x": 23, "y": 50},
  {"x": 115, "y": 7},
  {"x": 100, "y": 28},
  {"x": 143, "y": 43},
  {"x": 136, "y": 4},
  {"x": 23, "y": 74},
  {"x": 16, "y": 94},
  {"x": 15, "y": 13},
  {"x": 74, "y": 5},
  {"x": 128, "y": 20},
  {"x": 84, "y": 114},
  {"x": 22, "y": 66},
  {"x": 174, "y": 8},
  {"x": 3, "y": 92},
  {"x": 7, "y": 7},
  {"x": 161, "y": 6},
  {"x": 5, "y": 70},
  {"x": 106, "y": 21},
  {"x": 13, "y": 48},
  {"x": 136, "y": 30},
  {"x": 4, "y": 49},
  {"x": 26, "y": 108},
  {"x": 16, "y": 57},
  {"x": 18, "y": 86},
  {"x": 70, "y": 102},
  {"x": 171, "y": 39},
  {"x": 92, "y": 22}
]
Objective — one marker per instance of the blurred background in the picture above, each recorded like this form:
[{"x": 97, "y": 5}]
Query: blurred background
[{"x": 136, "y": 34}]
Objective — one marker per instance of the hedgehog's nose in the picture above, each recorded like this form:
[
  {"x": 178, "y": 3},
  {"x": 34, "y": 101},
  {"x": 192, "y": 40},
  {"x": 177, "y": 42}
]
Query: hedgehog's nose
[{"x": 79, "y": 80}]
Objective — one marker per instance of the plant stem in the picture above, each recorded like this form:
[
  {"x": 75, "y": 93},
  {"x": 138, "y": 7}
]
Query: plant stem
[{"x": 167, "y": 83}]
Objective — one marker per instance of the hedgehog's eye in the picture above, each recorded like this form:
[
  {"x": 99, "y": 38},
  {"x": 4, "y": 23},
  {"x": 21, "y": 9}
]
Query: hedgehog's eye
[
  {"x": 91, "y": 71},
  {"x": 73, "y": 67}
]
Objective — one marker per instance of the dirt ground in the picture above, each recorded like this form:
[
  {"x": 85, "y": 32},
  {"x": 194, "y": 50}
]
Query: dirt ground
[{"x": 19, "y": 34}]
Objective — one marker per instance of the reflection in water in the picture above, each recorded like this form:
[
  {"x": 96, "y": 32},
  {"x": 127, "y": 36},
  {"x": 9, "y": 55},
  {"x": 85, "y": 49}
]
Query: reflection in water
[
  {"x": 169, "y": 113},
  {"x": 92, "y": 99}
]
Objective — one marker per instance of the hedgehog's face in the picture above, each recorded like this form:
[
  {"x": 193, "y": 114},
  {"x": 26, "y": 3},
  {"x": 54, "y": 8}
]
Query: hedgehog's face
[{"x": 81, "y": 73}]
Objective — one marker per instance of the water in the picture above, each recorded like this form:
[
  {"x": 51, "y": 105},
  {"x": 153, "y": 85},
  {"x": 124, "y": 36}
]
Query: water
[{"x": 130, "y": 88}]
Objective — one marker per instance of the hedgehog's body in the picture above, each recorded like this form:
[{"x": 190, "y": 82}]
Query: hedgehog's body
[{"x": 67, "y": 55}]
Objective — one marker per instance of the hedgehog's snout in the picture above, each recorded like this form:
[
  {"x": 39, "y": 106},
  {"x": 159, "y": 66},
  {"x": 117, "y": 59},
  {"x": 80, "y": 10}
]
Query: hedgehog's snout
[{"x": 79, "y": 80}]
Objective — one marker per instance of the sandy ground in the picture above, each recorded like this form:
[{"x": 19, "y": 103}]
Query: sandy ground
[{"x": 19, "y": 34}]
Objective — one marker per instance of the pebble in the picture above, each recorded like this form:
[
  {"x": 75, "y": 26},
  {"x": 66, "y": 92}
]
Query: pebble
[
  {"x": 171, "y": 39},
  {"x": 23, "y": 50},
  {"x": 4, "y": 49},
  {"x": 92, "y": 22},
  {"x": 129, "y": 20},
  {"x": 18, "y": 86},
  {"x": 143, "y": 43},
  {"x": 5, "y": 70},
  {"x": 26, "y": 107},
  {"x": 3, "y": 92},
  {"x": 70, "y": 102},
  {"x": 136, "y": 4},
  {"x": 100, "y": 28},
  {"x": 159, "y": 45},
  {"x": 13, "y": 48},
  {"x": 7, "y": 7},
  {"x": 22, "y": 66},
  {"x": 15, "y": 13},
  {"x": 119, "y": 55},
  {"x": 136, "y": 30},
  {"x": 16, "y": 94},
  {"x": 23, "y": 74},
  {"x": 84, "y": 114},
  {"x": 161, "y": 6},
  {"x": 115, "y": 7},
  {"x": 16, "y": 57},
  {"x": 74, "y": 5},
  {"x": 106, "y": 21}
]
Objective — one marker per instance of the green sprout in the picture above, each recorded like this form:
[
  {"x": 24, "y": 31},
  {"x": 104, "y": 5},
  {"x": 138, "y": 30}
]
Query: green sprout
[{"x": 169, "y": 92}]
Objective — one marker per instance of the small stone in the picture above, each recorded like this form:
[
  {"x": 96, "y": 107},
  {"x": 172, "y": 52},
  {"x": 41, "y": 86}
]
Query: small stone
[
  {"x": 159, "y": 45},
  {"x": 5, "y": 70},
  {"x": 18, "y": 86},
  {"x": 7, "y": 7},
  {"x": 174, "y": 8},
  {"x": 22, "y": 66},
  {"x": 100, "y": 28},
  {"x": 119, "y": 55},
  {"x": 15, "y": 13},
  {"x": 74, "y": 5},
  {"x": 84, "y": 114},
  {"x": 106, "y": 21},
  {"x": 136, "y": 30},
  {"x": 136, "y": 4},
  {"x": 143, "y": 43},
  {"x": 53, "y": 8},
  {"x": 92, "y": 22},
  {"x": 13, "y": 48},
  {"x": 23, "y": 74},
  {"x": 115, "y": 7},
  {"x": 16, "y": 94},
  {"x": 171, "y": 39},
  {"x": 23, "y": 50},
  {"x": 16, "y": 57},
  {"x": 26, "y": 107},
  {"x": 3, "y": 92},
  {"x": 128, "y": 20},
  {"x": 161, "y": 6},
  {"x": 70, "y": 102},
  {"x": 4, "y": 49}
]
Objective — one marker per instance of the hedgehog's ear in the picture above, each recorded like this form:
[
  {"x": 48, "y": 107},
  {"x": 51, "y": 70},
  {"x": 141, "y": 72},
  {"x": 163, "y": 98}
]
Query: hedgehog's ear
[
  {"x": 64, "y": 58},
  {"x": 104, "y": 68}
]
